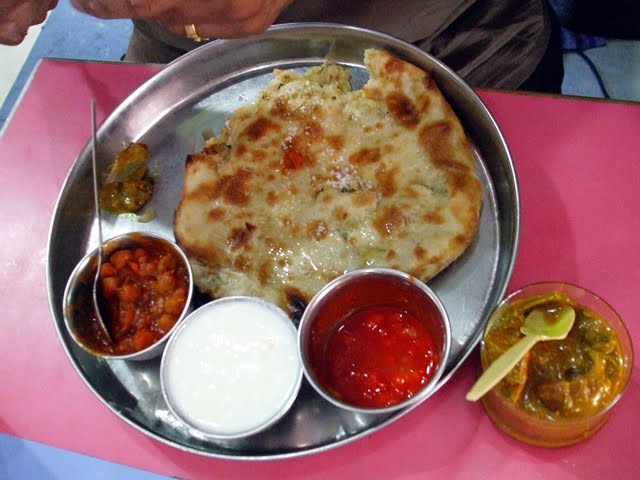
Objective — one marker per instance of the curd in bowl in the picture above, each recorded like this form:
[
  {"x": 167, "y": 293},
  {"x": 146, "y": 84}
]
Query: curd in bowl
[{"x": 232, "y": 369}]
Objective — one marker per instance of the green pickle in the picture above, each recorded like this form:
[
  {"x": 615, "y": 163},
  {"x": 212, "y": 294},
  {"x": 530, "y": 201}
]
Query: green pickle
[
  {"x": 130, "y": 187},
  {"x": 570, "y": 378}
]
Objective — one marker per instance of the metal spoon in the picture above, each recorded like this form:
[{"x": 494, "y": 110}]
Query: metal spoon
[
  {"x": 96, "y": 200},
  {"x": 536, "y": 327}
]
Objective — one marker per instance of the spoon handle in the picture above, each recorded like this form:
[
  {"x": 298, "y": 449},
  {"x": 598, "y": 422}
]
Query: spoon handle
[
  {"x": 501, "y": 366},
  {"x": 96, "y": 200}
]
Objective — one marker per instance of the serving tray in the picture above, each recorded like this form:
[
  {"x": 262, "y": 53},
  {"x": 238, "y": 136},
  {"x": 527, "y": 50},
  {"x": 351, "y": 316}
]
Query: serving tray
[{"x": 170, "y": 113}]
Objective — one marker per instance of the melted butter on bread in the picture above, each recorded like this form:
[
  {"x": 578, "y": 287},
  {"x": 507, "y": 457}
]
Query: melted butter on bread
[{"x": 314, "y": 180}]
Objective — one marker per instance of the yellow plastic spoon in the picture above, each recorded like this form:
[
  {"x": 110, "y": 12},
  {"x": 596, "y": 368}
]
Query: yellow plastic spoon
[{"x": 537, "y": 326}]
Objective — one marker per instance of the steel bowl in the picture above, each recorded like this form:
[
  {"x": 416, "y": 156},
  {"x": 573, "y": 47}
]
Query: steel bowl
[
  {"x": 231, "y": 369},
  {"x": 76, "y": 300},
  {"x": 362, "y": 289}
]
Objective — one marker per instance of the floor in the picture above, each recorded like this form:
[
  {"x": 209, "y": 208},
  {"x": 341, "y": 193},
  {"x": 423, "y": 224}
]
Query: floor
[
  {"x": 617, "y": 64},
  {"x": 66, "y": 33},
  {"x": 609, "y": 70}
]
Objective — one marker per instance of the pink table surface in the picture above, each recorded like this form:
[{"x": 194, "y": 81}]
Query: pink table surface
[{"x": 578, "y": 167}]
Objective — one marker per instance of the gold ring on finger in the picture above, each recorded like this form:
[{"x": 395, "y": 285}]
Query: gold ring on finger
[{"x": 192, "y": 33}]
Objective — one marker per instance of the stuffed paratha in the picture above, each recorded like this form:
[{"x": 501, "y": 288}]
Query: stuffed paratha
[{"x": 314, "y": 180}]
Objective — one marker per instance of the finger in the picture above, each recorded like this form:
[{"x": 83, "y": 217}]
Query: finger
[
  {"x": 220, "y": 26},
  {"x": 220, "y": 12},
  {"x": 151, "y": 8},
  {"x": 109, "y": 9},
  {"x": 11, "y": 33},
  {"x": 99, "y": 9},
  {"x": 7, "y": 7},
  {"x": 212, "y": 30},
  {"x": 16, "y": 23},
  {"x": 40, "y": 16}
]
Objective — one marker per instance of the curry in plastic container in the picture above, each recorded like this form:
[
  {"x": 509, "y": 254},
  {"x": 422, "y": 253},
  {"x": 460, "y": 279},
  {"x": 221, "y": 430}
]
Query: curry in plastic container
[{"x": 562, "y": 391}]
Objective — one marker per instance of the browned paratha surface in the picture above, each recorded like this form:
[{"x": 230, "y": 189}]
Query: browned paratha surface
[{"x": 314, "y": 180}]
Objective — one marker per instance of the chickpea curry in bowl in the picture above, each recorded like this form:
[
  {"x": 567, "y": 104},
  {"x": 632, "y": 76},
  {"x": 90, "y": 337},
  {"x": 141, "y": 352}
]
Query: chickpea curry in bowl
[
  {"x": 561, "y": 391},
  {"x": 144, "y": 291}
]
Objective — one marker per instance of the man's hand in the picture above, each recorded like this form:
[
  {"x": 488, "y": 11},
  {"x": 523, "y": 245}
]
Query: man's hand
[
  {"x": 16, "y": 16},
  {"x": 212, "y": 18}
]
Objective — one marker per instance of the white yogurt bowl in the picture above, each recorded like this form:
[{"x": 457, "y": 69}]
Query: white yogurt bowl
[{"x": 232, "y": 367}]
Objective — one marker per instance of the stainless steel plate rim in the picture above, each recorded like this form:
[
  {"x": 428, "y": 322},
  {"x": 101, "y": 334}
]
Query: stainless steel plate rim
[{"x": 181, "y": 95}]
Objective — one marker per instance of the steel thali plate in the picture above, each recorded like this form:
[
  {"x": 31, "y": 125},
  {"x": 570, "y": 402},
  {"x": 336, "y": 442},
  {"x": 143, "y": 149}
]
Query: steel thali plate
[{"x": 198, "y": 92}]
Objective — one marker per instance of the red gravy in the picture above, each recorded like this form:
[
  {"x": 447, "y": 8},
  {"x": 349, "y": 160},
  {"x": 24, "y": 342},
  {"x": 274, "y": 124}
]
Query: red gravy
[{"x": 371, "y": 345}]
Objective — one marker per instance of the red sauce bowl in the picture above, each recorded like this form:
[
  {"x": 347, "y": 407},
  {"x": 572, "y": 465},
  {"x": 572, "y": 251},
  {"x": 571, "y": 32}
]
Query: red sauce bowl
[{"x": 374, "y": 340}]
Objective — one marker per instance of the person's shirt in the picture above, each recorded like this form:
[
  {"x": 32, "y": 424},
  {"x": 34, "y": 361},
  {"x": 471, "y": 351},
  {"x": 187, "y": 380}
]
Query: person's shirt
[{"x": 489, "y": 43}]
